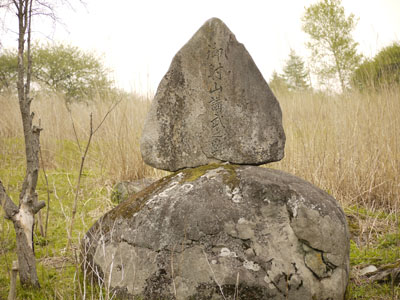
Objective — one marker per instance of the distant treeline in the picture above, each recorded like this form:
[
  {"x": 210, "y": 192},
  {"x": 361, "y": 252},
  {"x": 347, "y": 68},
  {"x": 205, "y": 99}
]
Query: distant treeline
[
  {"x": 380, "y": 72},
  {"x": 64, "y": 69}
]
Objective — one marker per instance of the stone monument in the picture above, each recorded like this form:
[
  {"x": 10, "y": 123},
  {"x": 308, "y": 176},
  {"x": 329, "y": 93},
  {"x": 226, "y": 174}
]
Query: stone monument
[
  {"x": 220, "y": 227},
  {"x": 213, "y": 105}
]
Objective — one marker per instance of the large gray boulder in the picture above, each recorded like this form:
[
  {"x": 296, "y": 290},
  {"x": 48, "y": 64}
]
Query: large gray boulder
[
  {"x": 223, "y": 232},
  {"x": 213, "y": 105}
]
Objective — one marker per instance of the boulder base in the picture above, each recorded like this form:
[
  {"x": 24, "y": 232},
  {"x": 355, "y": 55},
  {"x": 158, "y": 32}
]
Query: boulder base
[{"x": 223, "y": 232}]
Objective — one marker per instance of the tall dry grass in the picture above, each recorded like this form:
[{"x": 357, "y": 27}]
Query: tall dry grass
[
  {"x": 114, "y": 150},
  {"x": 346, "y": 144}
]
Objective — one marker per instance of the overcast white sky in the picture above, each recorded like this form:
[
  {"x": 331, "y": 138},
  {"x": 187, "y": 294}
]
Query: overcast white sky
[{"x": 138, "y": 39}]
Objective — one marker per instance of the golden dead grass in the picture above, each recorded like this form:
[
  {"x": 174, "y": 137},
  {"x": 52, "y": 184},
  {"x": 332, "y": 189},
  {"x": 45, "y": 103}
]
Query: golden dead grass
[
  {"x": 115, "y": 146},
  {"x": 346, "y": 144}
]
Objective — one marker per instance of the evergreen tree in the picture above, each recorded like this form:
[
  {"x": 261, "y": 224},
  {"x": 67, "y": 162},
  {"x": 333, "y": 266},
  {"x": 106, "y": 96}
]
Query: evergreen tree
[
  {"x": 277, "y": 83},
  {"x": 294, "y": 72}
]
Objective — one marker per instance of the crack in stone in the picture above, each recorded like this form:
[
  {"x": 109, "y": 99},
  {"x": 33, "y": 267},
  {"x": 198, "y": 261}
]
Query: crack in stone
[
  {"x": 314, "y": 259},
  {"x": 316, "y": 262},
  {"x": 287, "y": 278}
]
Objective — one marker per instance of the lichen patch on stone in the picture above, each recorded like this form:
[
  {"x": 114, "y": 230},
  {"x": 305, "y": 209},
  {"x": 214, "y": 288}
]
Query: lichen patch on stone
[
  {"x": 225, "y": 252},
  {"x": 251, "y": 265}
]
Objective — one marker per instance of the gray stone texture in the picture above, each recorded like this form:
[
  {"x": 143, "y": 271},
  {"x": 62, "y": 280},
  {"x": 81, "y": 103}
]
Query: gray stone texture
[
  {"x": 223, "y": 232},
  {"x": 124, "y": 189},
  {"x": 212, "y": 105}
]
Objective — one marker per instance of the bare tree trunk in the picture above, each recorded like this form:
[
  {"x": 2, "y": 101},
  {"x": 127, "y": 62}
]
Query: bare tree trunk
[
  {"x": 23, "y": 216},
  {"x": 339, "y": 71}
]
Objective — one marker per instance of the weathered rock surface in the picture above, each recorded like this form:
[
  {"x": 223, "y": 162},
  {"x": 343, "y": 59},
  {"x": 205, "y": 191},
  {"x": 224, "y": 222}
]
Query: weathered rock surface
[
  {"x": 124, "y": 189},
  {"x": 212, "y": 105},
  {"x": 223, "y": 232}
]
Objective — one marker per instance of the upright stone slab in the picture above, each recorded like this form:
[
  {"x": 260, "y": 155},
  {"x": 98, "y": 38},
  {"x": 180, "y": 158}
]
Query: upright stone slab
[{"x": 212, "y": 105}]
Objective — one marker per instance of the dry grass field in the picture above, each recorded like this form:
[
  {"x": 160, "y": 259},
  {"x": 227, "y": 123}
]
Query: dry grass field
[{"x": 348, "y": 145}]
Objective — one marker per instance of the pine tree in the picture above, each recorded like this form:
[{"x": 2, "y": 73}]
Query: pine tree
[
  {"x": 277, "y": 83},
  {"x": 294, "y": 73}
]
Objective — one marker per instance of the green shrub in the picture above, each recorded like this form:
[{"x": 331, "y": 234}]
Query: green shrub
[
  {"x": 64, "y": 69},
  {"x": 382, "y": 71}
]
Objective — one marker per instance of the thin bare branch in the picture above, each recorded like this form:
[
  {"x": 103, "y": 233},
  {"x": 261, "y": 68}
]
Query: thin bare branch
[
  {"x": 12, "y": 295},
  {"x": 112, "y": 107},
  {"x": 48, "y": 193},
  {"x": 6, "y": 4},
  {"x": 75, "y": 133},
  {"x": 28, "y": 52},
  {"x": 74, "y": 208},
  {"x": 91, "y": 133}
]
